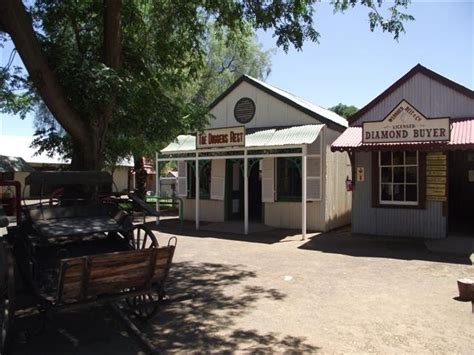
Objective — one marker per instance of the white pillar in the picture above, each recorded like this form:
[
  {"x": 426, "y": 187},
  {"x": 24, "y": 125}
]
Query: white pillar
[
  {"x": 303, "y": 193},
  {"x": 197, "y": 192},
  {"x": 246, "y": 194},
  {"x": 157, "y": 188}
]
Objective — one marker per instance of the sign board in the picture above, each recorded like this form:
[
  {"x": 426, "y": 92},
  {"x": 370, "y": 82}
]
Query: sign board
[
  {"x": 406, "y": 124},
  {"x": 221, "y": 137},
  {"x": 436, "y": 176}
]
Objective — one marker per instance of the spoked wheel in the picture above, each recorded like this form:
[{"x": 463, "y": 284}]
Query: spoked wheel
[
  {"x": 144, "y": 306},
  {"x": 142, "y": 237},
  {"x": 7, "y": 298}
]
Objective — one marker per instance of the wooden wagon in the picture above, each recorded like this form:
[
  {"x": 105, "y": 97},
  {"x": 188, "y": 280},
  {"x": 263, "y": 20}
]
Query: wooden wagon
[{"x": 75, "y": 247}]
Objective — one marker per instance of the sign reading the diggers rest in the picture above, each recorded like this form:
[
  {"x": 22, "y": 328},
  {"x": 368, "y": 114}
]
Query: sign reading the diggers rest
[
  {"x": 406, "y": 124},
  {"x": 221, "y": 137}
]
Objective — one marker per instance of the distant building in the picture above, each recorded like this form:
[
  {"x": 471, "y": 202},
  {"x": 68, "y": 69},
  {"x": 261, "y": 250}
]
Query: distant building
[{"x": 19, "y": 147}]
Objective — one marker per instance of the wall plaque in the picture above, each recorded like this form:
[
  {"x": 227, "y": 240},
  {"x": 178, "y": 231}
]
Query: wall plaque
[
  {"x": 406, "y": 124},
  {"x": 436, "y": 176}
]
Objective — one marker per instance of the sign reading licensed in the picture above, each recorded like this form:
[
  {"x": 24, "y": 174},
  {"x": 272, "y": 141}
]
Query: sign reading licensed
[
  {"x": 406, "y": 124},
  {"x": 221, "y": 137}
]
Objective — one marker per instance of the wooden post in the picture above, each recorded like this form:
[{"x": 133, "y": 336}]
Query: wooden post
[
  {"x": 246, "y": 194},
  {"x": 303, "y": 192},
  {"x": 197, "y": 192}
]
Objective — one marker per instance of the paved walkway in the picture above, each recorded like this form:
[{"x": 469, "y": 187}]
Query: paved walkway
[
  {"x": 272, "y": 292},
  {"x": 331, "y": 294}
]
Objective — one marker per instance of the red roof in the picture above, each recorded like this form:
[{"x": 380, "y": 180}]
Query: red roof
[{"x": 462, "y": 137}]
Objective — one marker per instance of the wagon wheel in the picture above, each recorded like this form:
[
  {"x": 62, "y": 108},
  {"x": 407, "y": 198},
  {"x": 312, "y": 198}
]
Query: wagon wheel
[
  {"x": 7, "y": 298},
  {"x": 143, "y": 238}
]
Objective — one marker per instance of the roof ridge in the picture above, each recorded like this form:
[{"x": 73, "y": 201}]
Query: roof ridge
[{"x": 407, "y": 76}]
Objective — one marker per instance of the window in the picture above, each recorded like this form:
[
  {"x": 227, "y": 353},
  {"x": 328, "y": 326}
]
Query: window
[
  {"x": 204, "y": 179},
  {"x": 398, "y": 178},
  {"x": 289, "y": 179}
]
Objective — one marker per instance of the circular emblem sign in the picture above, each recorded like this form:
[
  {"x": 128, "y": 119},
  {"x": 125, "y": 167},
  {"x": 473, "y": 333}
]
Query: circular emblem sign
[{"x": 244, "y": 110}]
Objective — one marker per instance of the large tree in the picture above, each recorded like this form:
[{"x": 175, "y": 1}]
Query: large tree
[{"x": 107, "y": 70}]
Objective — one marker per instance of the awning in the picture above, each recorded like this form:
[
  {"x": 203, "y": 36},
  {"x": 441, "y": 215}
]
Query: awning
[
  {"x": 257, "y": 138},
  {"x": 14, "y": 165},
  {"x": 462, "y": 137}
]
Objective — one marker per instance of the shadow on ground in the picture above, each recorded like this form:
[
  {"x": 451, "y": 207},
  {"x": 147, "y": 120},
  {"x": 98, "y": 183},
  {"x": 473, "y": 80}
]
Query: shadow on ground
[
  {"x": 208, "y": 322},
  {"x": 267, "y": 237},
  {"x": 88, "y": 331},
  {"x": 341, "y": 241}
]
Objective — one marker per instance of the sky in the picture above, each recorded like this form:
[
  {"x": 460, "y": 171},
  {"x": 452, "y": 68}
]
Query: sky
[{"x": 353, "y": 65}]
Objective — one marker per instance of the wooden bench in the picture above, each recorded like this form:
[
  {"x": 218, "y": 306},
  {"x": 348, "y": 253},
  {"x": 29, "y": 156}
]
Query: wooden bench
[{"x": 89, "y": 278}]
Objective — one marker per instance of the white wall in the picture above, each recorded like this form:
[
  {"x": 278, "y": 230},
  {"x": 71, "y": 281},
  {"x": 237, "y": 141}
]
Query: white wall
[
  {"x": 269, "y": 111},
  {"x": 288, "y": 215},
  {"x": 209, "y": 210},
  {"x": 338, "y": 200}
]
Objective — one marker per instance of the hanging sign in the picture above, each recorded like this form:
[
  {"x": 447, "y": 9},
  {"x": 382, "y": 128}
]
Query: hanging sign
[
  {"x": 436, "y": 176},
  {"x": 221, "y": 137},
  {"x": 406, "y": 124}
]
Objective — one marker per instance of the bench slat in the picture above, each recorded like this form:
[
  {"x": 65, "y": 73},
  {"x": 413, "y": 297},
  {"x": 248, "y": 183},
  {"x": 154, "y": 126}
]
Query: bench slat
[{"x": 84, "y": 278}]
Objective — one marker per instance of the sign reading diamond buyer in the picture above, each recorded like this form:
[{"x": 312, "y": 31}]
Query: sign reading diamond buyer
[
  {"x": 406, "y": 124},
  {"x": 221, "y": 137}
]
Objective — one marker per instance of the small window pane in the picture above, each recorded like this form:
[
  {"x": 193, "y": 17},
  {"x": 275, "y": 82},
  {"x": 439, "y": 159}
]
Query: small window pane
[
  {"x": 399, "y": 192},
  {"x": 386, "y": 158},
  {"x": 398, "y": 174},
  {"x": 386, "y": 192},
  {"x": 412, "y": 193},
  {"x": 398, "y": 158},
  {"x": 411, "y": 174},
  {"x": 386, "y": 175},
  {"x": 410, "y": 158}
]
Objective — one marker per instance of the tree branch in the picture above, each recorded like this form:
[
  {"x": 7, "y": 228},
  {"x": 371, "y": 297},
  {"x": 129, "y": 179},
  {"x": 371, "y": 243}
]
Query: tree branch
[{"x": 18, "y": 24}]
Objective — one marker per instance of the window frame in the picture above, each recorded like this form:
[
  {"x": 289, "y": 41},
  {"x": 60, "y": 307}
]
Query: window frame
[
  {"x": 377, "y": 201},
  {"x": 404, "y": 183},
  {"x": 191, "y": 177},
  {"x": 286, "y": 198}
]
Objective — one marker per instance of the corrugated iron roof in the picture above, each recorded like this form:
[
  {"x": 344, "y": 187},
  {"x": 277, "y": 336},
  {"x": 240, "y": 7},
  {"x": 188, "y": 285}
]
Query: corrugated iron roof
[
  {"x": 264, "y": 137},
  {"x": 462, "y": 137},
  {"x": 304, "y": 103}
]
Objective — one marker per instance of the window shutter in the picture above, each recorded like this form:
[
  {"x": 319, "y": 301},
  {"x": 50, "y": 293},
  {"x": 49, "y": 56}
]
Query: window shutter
[
  {"x": 182, "y": 179},
  {"x": 268, "y": 184},
  {"x": 313, "y": 178},
  {"x": 217, "y": 179}
]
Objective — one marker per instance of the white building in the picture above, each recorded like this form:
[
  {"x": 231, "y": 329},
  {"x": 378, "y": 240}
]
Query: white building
[
  {"x": 259, "y": 155},
  {"x": 20, "y": 146}
]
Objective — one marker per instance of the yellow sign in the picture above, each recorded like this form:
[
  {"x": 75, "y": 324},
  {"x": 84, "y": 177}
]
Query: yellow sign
[
  {"x": 436, "y": 179},
  {"x": 435, "y": 190},
  {"x": 436, "y": 173},
  {"x": 436, "y": 176}
]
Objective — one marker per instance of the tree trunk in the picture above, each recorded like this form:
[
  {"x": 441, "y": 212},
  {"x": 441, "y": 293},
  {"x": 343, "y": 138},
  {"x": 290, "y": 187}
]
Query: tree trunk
[
  {"x": 88, "y": 139},
  {"x": 18, "y": 24},
  {"x": 140, "y": 176}
]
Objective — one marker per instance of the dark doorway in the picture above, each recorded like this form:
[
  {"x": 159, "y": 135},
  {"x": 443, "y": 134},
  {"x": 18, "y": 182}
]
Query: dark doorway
[
  {"x": 234, "y": 187},
  {"x": 234, "y": 191},
  {"x": 255, "y": 192},
  {"x": 461, "y": 193}
]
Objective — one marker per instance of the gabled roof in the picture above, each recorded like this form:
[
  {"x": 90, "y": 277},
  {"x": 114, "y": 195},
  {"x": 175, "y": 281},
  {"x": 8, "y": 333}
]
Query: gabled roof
[
  {"x": 331, "y": 119},
  {"x": 415, "y": 70}
]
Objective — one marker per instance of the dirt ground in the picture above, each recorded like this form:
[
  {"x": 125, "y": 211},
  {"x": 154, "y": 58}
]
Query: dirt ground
[{"x": 272, "y": 292}]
